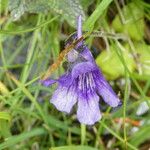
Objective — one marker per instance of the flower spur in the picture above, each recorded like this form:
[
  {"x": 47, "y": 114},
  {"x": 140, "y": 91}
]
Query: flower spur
[{"x": 81, "y": 84}]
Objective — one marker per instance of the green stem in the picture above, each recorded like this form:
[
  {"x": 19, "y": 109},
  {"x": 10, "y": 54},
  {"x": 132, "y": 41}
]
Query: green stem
[
  {"x": 83, "y": 134},
  {"x": 124, "y": 109},
  {"x": 117, "y": 136}
]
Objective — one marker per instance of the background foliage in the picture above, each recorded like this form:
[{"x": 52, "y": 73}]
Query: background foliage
[{"x": 32, "y": 34}]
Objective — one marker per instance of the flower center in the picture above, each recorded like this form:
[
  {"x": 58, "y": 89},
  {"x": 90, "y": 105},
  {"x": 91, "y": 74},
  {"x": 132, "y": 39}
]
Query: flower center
[{"x": 86, "y": 82}]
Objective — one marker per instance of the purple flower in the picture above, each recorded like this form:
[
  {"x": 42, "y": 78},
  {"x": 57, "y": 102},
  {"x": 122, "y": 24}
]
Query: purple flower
[{"x": 81, "y": 84}]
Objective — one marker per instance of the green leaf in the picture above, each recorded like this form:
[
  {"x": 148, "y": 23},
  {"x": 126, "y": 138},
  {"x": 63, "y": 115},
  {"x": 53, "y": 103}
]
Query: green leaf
[
  {"x": 73, "y": 148},
  {"x": 89, "y": 24},
  {"x": 140, "y": 136},
  {"x": 111, "y": 65},
  {"x": 5, "y": 116},
  {"x": 143, "y": 52},
  {"x": 69, "y": 9},
  {"x": 3, "y": 5},
  {"x": 5, "y": 129},
  {"x": 85, "y": 3},
  {"x": 134, "y": 21},
  {"x": 24, "y": 136}
]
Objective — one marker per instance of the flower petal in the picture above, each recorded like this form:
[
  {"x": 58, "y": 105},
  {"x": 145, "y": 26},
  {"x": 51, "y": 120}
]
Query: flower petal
[
  {"x": 88, "y": 109},
  {"x": 48, "y": 82},
  {"x": 65, "y": 80},
  {"x": 105, "y": 90},
  {"x": 79, "y": 27},
  {"x": 64, "y": 98},
  {"x": 72, "y": 55},
  {"x": 82, "y": 68},
  {"x": 87, "y": 54}
]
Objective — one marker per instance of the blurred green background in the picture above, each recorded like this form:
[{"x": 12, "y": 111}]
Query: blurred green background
[{"x": 32, "y": 34}]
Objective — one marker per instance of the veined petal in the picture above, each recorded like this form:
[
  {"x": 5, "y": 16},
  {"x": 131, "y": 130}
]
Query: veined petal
[
  {"x": 82, "y": 68},
  {"x": 105, "y": 90},
  {"x": 65, "y": 80},
  {"x": 88, "y": 109},
  {"x": 64, "y": 98}
]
